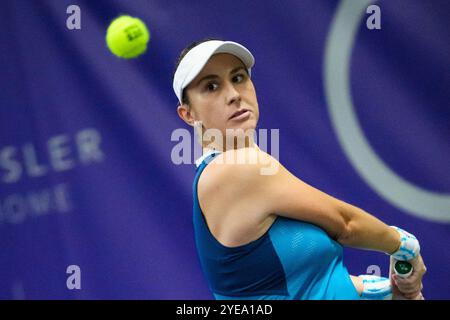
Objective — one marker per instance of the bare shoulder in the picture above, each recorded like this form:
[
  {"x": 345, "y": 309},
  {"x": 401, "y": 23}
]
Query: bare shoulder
[
  {"x": 252, "y": 182},
  {"x": 238, "y": 169},
  {"x": 229, "y": 197}
]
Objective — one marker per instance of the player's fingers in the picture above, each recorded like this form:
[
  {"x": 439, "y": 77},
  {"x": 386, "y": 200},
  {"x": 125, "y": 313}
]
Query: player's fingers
[
  {"x": 409, "y": 296},
  {"x": 409, "y": 290},
  {"x": 408, "y": 282},
  {"x": 418, "y": 296},
  {"x": 407, "y": 287},
  {"x": 399, "y": 281},
  {"x": 405, "y": 282}
]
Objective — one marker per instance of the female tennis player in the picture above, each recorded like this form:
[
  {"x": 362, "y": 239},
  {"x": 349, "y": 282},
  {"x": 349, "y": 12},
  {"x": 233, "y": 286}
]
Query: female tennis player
[{"x": 266, "y": 234}]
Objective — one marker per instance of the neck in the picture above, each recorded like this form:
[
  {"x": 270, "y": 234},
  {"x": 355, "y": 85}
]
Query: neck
[{"x": 249, "y": 143}]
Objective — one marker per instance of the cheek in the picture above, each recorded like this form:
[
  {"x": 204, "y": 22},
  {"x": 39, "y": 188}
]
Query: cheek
[
  {"x": 253, "y": 102},
  {"x": 250, "y": 94},
  {"x": 213, "y": 115}
]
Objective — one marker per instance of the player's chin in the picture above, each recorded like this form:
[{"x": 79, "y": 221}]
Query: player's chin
[{"x": 249, "y": 124}]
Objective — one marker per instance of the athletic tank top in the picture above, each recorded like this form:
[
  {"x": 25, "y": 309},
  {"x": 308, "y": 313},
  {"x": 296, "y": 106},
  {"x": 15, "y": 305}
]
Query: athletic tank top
[{"x": 292, "y": 260}]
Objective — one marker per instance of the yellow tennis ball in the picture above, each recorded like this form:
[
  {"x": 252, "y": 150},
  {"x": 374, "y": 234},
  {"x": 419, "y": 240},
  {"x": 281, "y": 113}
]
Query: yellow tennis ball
[{"x": 127, "y": 37}]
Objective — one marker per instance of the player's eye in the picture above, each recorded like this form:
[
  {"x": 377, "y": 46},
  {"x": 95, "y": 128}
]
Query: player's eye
[
  {"x": 211, "y": 86},
  {"x": 238, "y": 78}
]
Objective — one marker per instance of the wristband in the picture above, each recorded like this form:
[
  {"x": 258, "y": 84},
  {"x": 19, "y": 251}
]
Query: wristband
[
  {"x": 409, "y": 247},
  {"x": 376, "y": 288}
]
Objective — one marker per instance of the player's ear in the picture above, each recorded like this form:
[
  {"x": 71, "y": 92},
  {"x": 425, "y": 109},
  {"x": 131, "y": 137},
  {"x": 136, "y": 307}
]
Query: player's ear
[{"x": 185, "y": 113}]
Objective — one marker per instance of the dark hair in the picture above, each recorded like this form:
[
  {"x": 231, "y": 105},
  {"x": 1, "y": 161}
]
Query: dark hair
[{"x": 184, "y": 98}]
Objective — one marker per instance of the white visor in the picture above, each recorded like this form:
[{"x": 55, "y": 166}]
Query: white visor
[{"x": 194, "y": 61}]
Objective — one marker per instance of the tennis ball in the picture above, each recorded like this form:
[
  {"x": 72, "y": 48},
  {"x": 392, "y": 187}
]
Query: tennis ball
[{"x": 127, "y": 37}]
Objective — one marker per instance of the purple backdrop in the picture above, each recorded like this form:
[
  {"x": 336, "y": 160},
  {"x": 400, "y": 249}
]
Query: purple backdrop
[{"x": 86, "y": 176}]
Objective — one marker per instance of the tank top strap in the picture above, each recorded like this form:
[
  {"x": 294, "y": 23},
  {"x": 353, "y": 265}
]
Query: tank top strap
[{"x": 205, "y": 159}]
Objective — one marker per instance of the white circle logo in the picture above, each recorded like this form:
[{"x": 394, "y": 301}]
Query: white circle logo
[{"x": 390, "y": 186}]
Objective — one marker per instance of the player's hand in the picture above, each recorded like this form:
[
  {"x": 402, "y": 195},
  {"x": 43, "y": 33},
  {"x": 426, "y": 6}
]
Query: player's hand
[
  {"x": 397, "y": 295},
  {"x": 410, "y": 287}
]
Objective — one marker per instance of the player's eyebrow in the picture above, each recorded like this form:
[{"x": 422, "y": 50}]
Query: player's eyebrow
[{"x": 214, "y": 76}]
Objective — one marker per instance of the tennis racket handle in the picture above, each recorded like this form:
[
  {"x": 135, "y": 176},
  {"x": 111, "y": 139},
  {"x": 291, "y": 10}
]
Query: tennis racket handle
[{"x": 403, "y": 268}]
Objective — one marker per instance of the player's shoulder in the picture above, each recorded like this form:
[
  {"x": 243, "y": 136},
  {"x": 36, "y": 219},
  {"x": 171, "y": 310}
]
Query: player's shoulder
[{"x": 238, "y": 166}]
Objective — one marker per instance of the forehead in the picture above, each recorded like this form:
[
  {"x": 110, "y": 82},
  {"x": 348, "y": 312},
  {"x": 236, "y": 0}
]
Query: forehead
[{"x": 219, "y": 63}]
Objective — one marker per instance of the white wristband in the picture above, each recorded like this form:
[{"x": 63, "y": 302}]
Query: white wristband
[
  {"x": 376, "y": 288},
  {"x": 409, "y": 247}
]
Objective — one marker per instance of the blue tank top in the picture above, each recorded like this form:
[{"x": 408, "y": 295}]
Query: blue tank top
[{"x": 292, "y": 260}]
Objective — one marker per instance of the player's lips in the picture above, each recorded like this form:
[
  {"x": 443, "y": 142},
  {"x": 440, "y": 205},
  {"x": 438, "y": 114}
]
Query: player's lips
[{"x": 240, "y": 114}]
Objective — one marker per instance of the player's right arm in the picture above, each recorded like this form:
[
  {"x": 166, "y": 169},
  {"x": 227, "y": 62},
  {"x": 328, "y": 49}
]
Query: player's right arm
[{"x": 284, "y": 194}]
